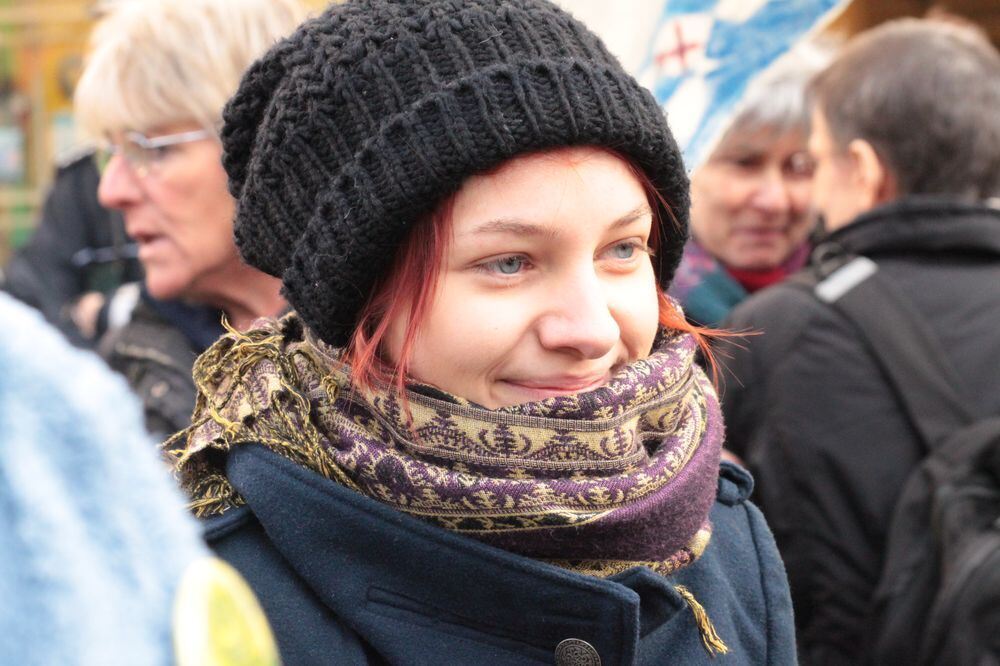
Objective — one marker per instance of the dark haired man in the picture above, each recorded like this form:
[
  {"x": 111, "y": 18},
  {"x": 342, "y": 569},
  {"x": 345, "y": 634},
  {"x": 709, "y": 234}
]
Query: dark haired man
[{"x": 906, "y": 138}]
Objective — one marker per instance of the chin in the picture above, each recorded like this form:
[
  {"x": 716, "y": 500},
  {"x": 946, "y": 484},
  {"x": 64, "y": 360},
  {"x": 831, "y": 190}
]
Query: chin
[
  {"x": 163, "y": 288},
  {"x": 763, "y": 259},
  {"x": 761, "y": 265}
]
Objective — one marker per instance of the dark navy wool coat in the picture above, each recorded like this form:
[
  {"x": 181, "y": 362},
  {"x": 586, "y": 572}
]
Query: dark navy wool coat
[{"x": 346, "y": 580}]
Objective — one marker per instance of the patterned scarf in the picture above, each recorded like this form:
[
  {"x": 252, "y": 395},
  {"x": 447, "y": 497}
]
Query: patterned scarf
[
  {"x": 708, "y": 289},
  {"x": 597, "y": 482}
]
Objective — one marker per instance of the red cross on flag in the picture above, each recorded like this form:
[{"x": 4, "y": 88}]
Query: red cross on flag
[{"x": 679, "y": 46}]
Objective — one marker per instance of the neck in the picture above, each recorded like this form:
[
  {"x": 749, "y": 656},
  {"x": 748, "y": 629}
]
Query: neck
[
  {"x": 756, "y": 279},
  {"x": 248, "y": 295}
]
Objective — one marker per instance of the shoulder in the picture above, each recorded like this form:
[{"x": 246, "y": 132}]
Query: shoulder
[
  {"x": 147, "y": 337},
  {"x": 76, "y": 163},
  {"x": 777, "y": 303},
  {"x": 742, "y": 574},
  {"x": 738, "y": 525},
  {"x": 237, "y": 537},
  {"x": 739, "y": 581},
  {"x": 156, "y": 360},
  {"x": 781, "y": 324},
  {"x": 78, "y": 469},
  {"x": 739, "y": 529},
  {"x": 75, "y": 157}
]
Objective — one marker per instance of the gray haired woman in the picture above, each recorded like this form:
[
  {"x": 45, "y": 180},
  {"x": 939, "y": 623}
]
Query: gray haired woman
[{"x": 751, "y": 214}]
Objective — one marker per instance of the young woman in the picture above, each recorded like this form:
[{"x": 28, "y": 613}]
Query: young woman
[{"x": 481, "y": 436}]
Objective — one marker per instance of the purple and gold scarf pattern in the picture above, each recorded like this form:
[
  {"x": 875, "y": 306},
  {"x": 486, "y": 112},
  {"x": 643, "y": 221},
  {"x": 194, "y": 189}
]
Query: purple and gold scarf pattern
[{"x": 597, "y": 482}]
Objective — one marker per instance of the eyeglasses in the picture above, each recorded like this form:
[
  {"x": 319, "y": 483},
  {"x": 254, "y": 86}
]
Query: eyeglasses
[{"x": 144, "y": 154}]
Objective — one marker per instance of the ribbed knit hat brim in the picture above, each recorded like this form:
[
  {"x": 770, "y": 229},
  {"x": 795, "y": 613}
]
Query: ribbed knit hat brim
[
  {"x": 400, "y": 174},
  {"x": 368, "y": 127}
]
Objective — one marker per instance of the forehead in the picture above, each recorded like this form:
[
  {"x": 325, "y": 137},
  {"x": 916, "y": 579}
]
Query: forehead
[
  {"x": 820, "y": 139},
  {"x": 761, "y": 140},
  {"x": 550, "y": 187}
]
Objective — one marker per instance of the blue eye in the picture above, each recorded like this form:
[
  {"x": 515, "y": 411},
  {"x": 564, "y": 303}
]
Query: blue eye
[
  {"x": 507, "y": 265},
  {"x": 623, "y": 251}
]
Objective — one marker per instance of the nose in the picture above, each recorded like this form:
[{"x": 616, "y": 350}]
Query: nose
[
  {"x": 772, "y": 193},
  {"x": 119, "y": 185},
  {"x": 581, "y": 321}
]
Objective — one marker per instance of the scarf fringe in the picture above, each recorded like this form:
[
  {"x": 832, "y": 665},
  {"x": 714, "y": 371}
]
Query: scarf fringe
[
  {"x": 218, "y": 374},
  {"x": 709, "y": 637}
]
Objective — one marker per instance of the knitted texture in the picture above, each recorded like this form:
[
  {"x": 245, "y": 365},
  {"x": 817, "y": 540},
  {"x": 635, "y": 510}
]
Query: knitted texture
[
  {"x": 597, "y": 482},
  {"x": 93, "y": 534},
  {"x": 352, "y": 129}
]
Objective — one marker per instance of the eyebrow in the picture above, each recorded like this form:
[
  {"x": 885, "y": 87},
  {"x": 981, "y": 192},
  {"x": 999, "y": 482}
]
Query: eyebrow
[
  {"x": 520, "y": 227},
  {"x": 740, "y": 150}
]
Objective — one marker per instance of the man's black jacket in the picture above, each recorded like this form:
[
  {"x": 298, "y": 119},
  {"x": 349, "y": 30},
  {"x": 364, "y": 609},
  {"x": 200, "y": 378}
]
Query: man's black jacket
[{"x": 809, "y": 410}]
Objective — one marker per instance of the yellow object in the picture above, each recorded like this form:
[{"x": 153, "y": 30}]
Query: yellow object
[
  {"x": 709, "y": 637},
  {"x": 217, "y": 620}
]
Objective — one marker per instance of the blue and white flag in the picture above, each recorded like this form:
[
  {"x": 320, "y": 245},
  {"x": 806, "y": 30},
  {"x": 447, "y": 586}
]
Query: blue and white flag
[{"x": 704, "y": 53}]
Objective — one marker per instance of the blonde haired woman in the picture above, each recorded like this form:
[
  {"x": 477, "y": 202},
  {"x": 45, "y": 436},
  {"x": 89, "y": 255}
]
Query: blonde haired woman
[{"x": 151, "y": 94}]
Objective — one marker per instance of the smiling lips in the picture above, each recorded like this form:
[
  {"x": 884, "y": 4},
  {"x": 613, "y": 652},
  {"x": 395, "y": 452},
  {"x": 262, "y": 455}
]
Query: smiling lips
[
  {"x": 762, "y": 231},
  {"x": 561, "y": 385},
  {"x": 767, "y": 236}
]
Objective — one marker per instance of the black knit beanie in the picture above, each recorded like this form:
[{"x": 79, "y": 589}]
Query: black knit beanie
[{"x": 362, "y": 121}]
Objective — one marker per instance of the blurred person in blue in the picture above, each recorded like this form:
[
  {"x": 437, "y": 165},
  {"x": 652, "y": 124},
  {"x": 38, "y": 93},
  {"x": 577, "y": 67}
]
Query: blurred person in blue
[
  {"x": 152, "y": 90},
  {"x": 906, "y": 139},
  {"x": 750, "y": 199},
  {"x": 100, "y": 562}
]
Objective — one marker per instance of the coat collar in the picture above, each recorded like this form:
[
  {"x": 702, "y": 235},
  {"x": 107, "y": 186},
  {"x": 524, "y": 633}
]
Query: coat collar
[
  {"x": 922, "y": 224},
  {"x": 381, "y": 573},
  {"x": 368, "y": 562}
]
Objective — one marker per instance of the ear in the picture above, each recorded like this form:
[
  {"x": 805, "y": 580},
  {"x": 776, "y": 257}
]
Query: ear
[{"x": 875, "y": 181}]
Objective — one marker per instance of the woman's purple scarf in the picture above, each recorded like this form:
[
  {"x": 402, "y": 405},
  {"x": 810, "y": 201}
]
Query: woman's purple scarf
[{"x": 598, "y": 482}]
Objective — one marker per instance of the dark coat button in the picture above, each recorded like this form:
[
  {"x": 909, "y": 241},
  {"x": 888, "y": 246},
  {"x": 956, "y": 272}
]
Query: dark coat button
[{"x": 574, "y": 652}]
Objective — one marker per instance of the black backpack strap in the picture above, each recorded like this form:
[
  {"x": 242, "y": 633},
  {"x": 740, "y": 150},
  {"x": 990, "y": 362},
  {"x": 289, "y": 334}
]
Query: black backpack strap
[{"x": 903, "y": 344}]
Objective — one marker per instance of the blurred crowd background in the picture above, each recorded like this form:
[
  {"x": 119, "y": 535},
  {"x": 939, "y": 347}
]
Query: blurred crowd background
[
  {"x": 42, "y": 43},
  {"x": 843, "y": 264}
]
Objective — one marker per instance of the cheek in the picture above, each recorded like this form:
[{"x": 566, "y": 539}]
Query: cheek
[
  {"x": 465, "y": 337},
  {"x": 800, "y": 195},
  {"x": 800, "y": 221},
  {"x": 638, "y": 315},
  {"x": 200, "y": 219},
  {"x": 196, "y": 185},
  {"x": 713, "y": 218},
  {"x": 821, "y": 184},
  {"x": 219, "y": 244}
]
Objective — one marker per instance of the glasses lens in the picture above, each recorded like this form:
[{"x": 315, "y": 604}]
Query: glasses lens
[
  {"x": 102, "y": 156},
  {"x": 139, "y": 156}
]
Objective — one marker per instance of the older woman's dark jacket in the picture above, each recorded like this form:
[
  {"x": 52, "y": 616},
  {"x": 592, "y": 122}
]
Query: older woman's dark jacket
[
  {"x": 346, "y": 580},
  {"x": 155, "y": 351}
]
